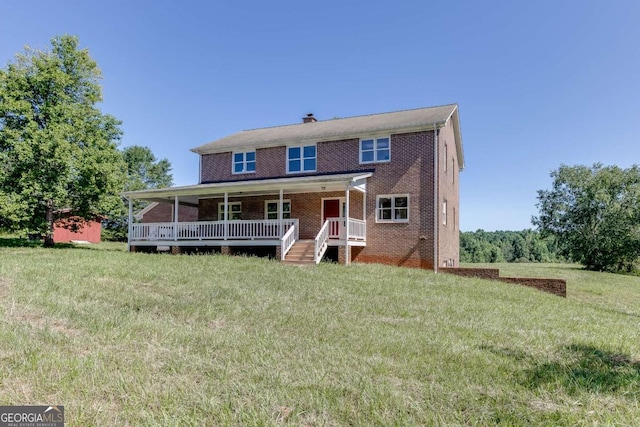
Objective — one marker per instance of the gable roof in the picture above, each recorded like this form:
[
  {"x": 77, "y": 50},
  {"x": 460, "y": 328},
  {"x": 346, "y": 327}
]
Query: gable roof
[
  {"x": 140, "y": 214},
  {"x": 336, "y": 129}
]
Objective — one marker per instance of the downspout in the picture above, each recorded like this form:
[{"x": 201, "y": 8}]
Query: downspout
[{"x": 436, "y": 201}]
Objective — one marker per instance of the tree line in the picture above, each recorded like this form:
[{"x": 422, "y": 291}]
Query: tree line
[
  {"x": 508, "y": 246},
  {"x": 59, "y": 151}
]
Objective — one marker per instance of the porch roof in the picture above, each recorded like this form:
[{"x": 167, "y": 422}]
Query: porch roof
[{"x": 255, "y": 187}]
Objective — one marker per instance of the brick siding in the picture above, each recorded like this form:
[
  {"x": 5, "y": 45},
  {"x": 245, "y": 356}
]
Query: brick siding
[
  {"x": 448, "y": 189},
  {"x": 410, "y": 171},
  {"x": 163, "y": 212}
]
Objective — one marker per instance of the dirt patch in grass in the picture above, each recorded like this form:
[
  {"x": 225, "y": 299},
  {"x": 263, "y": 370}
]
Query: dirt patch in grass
[
  {"x": 5, "y": 285},
  {"x": 40, "y": 322}
]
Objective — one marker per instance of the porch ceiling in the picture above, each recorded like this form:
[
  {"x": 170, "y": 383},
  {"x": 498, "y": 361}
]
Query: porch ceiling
[{"x": 257, "y": 187}]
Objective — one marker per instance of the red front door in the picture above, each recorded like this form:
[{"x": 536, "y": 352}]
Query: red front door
[{"x": 332, "y": 210}]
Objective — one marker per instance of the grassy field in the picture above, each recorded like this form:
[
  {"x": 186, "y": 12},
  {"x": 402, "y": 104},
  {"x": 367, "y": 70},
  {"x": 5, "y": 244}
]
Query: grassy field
[{"x": 158, "y": 340}]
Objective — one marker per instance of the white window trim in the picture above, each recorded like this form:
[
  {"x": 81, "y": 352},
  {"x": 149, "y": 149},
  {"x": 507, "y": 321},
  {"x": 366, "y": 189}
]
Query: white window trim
[
  {"x": 266, "y": 204},
  {"x": 244, "y": 162},
  {"x": 302, "y": 158},
  {"x": 393, "y": 207},
  {"x": 444, "y": 212},
  {"x": 375, "y": 152},
  {"x": 221, "y": 209}
]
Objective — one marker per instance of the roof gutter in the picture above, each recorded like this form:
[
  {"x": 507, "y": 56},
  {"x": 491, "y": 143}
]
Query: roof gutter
[{"x": 319, "y": 138}]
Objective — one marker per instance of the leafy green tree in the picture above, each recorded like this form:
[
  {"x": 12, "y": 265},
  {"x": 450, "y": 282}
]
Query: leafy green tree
[
  {"x": 57, "y": 149},
  {"x": 144, "y": 171},
  {"x": 594, "y": 212}
]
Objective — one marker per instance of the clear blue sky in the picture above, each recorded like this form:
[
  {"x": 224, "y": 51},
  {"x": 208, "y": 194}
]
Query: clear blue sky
[{"x": 539, "y": 83}]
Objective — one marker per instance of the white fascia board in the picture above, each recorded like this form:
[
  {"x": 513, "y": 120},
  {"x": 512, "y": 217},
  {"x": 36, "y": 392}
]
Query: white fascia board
[
  {"x": 146, "y": 209},
  {"x": 226, "y": 148},
  {"x": 247, "y": 186}
]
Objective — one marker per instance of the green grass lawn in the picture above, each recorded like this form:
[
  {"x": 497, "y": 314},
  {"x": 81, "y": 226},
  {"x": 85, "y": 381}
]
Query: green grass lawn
[{"x": 126, "y": 339}]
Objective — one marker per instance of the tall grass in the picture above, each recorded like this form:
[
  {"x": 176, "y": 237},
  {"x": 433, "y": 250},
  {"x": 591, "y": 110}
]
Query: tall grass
[{"x": 145, "y": 340}]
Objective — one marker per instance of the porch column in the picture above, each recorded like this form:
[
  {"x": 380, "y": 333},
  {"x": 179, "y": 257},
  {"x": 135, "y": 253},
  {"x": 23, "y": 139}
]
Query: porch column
[
  {"x": 347, "y": 257},
  {"x": 130, "y": 225},
  {"x": 364, "y": 206},
  {"x": 364, "y": 211},
  {"x": 175, "y": 218},
  {"x": 225, "y": 219},
  {"x": 280, "y": 203}
]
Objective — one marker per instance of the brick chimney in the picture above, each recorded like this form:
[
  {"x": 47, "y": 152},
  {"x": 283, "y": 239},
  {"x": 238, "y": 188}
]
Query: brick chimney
[{"x": 309, "y": 118}]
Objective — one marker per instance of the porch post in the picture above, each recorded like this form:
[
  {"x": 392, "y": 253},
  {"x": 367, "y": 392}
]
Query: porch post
[
  {"x": 225, "y": 215},
  {"x": 130, "y": 225},
  {"x": 175, "y": 218},
  {"x": 347, "y": 255},
  {"x": 280, "y": 203},
  {"x": 364, "y": 205}
]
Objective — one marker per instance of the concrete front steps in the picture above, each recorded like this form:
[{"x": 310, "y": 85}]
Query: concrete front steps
[{"x": 301, "y": 253}]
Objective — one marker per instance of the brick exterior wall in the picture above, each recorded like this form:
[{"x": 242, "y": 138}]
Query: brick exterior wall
[
  {"x": 553, "y": 286},
  {"x": 448, "y": 189},
  {"x": 410, "y": 172},
  {"x": 307, "y": 207},
  {"x": 163, "y": 212}
]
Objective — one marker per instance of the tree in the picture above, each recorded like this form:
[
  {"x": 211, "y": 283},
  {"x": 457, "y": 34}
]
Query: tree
[
  {"x": 595, "y": 214},
  {"x": 144, "y": 171},
  {"x": 57, "y": 149}
]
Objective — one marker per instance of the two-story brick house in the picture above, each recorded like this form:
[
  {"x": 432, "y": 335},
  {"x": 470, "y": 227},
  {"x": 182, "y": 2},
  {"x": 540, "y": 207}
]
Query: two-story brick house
[{"x": 379, "y": 188}]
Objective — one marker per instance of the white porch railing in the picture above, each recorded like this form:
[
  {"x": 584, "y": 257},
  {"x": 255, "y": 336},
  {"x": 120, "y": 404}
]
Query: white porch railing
[
  {"x": 336, "y": 228},
  {"x": 357, "y": 228},
  {"x": 213, "y": 230},
  {"x": 321, "y": 242},
  {"x": 288, "y": 240}
]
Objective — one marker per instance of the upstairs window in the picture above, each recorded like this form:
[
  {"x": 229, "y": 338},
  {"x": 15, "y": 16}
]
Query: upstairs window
[
  {"x": 392, "y": 208},
  {"x": 244, "y": 162},
  {"x": 301, "y": 159},
  {"x": 271, "y": 209},
  {"x": 375, "y": 150},
  {"x": 234, "y": 210}
]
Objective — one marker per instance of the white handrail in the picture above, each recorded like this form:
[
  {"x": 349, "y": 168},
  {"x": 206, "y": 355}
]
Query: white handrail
[
  {"x": 287, "y": 241},
  {"x": 213, "y": 230},
  {"x": 357, "y": 229},
  {"x": 152, "y": 231},
  {"x": 336, "y": 228},
  {"x": 321, "y": 242}
]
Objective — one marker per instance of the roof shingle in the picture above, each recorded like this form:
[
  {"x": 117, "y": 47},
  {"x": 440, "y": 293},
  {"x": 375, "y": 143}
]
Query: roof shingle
[{"x": 333, "y": 129}]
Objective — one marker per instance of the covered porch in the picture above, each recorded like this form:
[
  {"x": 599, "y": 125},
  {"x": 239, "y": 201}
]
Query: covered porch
[{"x": 259, "y": 213}]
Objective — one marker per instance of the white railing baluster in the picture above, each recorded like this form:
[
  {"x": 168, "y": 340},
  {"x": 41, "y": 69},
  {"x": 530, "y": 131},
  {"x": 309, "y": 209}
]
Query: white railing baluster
[{"x": 211, "y": 230}]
